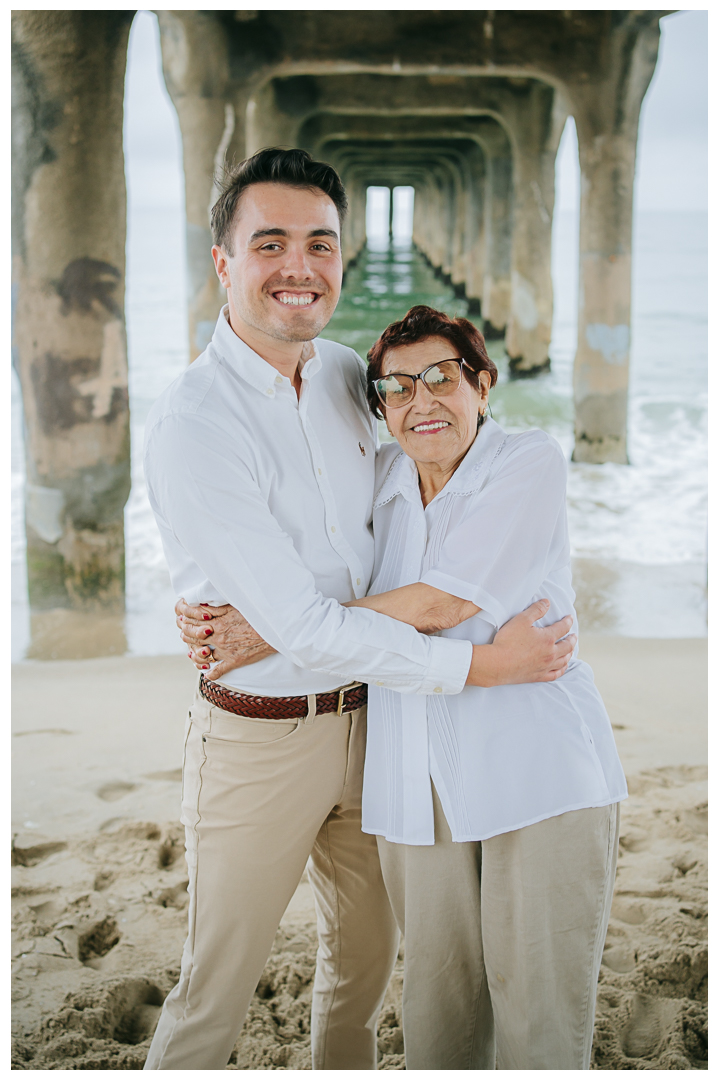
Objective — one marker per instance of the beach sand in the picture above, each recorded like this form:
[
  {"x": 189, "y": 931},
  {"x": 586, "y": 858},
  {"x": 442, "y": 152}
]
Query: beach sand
[{"x": 99, "y": 901}]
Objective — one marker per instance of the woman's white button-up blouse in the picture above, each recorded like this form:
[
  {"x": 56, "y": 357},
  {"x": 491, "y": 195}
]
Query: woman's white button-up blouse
[{"x": 506, "y": 756}]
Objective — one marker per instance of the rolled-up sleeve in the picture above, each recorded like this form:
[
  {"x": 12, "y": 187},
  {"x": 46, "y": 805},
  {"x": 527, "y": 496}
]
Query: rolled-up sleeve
[
  {"x": 203, "y": 492},
  {"x": 501, "y": 551}
]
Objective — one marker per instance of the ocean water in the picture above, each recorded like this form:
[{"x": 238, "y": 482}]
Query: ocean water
[{"x": 638, "y": 532}]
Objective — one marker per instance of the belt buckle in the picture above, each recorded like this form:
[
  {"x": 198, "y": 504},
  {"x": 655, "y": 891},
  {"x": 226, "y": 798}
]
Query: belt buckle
[{"x": 341, "y": 696}]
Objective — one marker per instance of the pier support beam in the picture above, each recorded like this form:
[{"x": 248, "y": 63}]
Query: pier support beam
[
  {"x": 354, "y": 235},
  {"x": 606, "y": 115},
  {"x": 497, "y": 228},
  {"x": 69, "y": 280},
  {"x": 212, "y": 123},
  {"x": 535, "y": 116}
]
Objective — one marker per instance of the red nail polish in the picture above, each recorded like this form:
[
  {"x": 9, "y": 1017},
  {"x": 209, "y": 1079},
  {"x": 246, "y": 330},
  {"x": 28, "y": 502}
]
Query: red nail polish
[
  {"x": 208, "y": 631},
  {"x": 206, "y": 652},
  {"x": 208, "y": 617},
  {"x": 206, "y": 667},
  {"x": 189, "y": 656}
]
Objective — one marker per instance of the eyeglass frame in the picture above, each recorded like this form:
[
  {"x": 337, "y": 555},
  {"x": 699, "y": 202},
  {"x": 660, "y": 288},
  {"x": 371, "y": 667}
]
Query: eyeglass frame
[{"x": 450, "y": 359}]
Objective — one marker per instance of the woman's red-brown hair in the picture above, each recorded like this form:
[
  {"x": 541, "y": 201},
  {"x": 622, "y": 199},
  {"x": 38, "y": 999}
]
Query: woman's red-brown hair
[{"x": 423, "y": 322}]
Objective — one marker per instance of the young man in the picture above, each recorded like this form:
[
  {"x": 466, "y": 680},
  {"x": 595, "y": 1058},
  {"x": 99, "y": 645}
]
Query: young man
[{"x": 259, "y": 465}]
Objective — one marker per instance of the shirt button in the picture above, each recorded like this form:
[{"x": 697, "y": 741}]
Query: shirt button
[
  {"x": 319, "y": 472},
  {"x": 379, "y": 684},
  {"x": 270, "y": 392},
  {"x": 357, "y": 581},
  {"x": 278, "y": 380},
  {"x": 332, "y": 528},
  {"x": 438, "y": 690}
]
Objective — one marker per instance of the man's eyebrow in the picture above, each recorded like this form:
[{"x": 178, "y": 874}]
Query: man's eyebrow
[
  {"x": 259, "y": 233},
  {"x": 324, "y": 232},
  {"x": 267, "y": 232}
]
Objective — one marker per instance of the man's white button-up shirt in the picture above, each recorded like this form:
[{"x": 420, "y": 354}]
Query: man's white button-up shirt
[{"x": 264, "y": 501}]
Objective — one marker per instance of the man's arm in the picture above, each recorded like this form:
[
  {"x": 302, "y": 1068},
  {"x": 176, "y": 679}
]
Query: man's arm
[{"x": 209, "y": 504}]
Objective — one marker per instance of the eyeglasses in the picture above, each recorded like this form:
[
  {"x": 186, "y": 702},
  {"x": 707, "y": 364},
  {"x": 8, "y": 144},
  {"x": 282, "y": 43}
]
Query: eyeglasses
[{"x": 441, "y": 379}]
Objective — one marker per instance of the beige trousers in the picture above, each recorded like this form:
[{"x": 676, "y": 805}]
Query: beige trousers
[
  {"x": 503, "y": 941},
  {"x": 259, "y": 798}
]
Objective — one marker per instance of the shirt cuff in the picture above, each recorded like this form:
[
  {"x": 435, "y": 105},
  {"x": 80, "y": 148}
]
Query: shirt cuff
[
  {"x": 449, "y": 666},
  {"x": 491, "y": 608},
  {"x": 204, "y": 594}
]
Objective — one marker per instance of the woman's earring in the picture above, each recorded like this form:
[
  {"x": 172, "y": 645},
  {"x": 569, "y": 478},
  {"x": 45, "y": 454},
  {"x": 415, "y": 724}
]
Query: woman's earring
[{"x": 488, "y": 410}]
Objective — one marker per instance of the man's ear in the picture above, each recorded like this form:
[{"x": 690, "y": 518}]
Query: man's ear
[{"x": 221, "y": 265}]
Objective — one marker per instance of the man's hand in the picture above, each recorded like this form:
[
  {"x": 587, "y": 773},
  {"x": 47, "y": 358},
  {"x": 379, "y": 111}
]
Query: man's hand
[
  {"x": 219, "y": 634},
  {"x": 523, "y": 653}
]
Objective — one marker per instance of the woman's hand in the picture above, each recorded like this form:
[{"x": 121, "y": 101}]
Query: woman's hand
[
  {"x": 524, "y": 653},
  {"x": 219, "y": 635}
]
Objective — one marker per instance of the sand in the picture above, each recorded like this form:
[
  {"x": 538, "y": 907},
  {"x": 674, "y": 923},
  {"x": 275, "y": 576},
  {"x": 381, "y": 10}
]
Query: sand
[{"x": 99, "y": 901}]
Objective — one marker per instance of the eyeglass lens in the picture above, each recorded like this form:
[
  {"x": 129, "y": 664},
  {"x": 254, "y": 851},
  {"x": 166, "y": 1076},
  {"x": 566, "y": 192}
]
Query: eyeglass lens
[{"x": 441, "y": 379}]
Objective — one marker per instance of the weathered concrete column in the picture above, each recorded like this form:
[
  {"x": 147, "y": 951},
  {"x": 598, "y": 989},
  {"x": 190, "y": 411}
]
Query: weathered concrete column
[
  {"x": 276, "y": 112},
  {"x": 212, "y": 123},
  {"x": 536, "y": 116},
  {"x": 69, "y": 206},
  {"x": 606, "y": 115},
  {"x": 497, "y": 227},
  {"x": 354, "y": 237},
  {"x": 440, "y": 223},
  {"x": 460, "y": 213},
  {"x": 474, "y": 263}
]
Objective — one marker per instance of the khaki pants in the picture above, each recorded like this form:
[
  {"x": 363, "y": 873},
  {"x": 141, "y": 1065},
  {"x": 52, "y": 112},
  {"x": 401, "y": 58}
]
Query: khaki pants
[
  {"x": 259, "y": 798},
  {"x": 503, "y": 941}
]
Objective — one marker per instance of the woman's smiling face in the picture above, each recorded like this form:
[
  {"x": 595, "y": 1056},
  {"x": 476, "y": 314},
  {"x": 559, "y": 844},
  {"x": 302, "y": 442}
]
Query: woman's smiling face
[{"x": 435, "y": 432}]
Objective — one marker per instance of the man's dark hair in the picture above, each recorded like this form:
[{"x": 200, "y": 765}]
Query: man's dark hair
[
  {"x": 420, "y": 323},
  {"x": 271, "y": 166}
]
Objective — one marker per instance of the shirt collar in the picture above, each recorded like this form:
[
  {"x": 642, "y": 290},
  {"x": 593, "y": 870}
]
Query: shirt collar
[
  {"x": 402, "y": 479},
  {"x": 250, "y": 365}
]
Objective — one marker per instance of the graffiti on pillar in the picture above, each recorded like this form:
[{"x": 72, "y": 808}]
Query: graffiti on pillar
[
  {"x": 85, "y": 281},
  {"x": 78, "y": 390}
]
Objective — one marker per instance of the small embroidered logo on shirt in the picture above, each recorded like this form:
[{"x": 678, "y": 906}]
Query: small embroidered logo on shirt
[{"x": 362, "y": 449}]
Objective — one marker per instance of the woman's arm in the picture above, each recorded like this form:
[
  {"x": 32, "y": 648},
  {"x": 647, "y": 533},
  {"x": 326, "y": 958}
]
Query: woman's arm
[{"x": 422, "y": 606}]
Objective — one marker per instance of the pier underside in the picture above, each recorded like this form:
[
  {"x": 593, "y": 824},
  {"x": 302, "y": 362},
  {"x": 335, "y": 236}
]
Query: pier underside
[{"x": 467, "y": 107}]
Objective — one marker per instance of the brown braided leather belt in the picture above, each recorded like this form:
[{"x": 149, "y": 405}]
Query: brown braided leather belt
[{"x": 340, "y": 701}]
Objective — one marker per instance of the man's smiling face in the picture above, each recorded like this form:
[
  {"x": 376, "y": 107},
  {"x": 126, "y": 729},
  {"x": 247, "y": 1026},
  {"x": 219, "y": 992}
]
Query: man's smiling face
[{"x": 285, "y": 271}]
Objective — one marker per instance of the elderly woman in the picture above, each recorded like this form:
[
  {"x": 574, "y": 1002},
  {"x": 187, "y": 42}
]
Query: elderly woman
[{"x": 495, "y": 809}]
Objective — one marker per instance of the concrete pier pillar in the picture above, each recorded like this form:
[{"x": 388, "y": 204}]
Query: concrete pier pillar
[
  {"x": 474, "y": 264},
  {"x": 354, "y": 232},
  {"x": 276, "y": 111},
  {"x": 69, "y": 346},
  {"x": 212, "y": 123},
  {"x": 498, "y": 228},
  {"x": 606, "y": 116},
  {"x": 529, "y": 329},
  {"x": 601, "y": 371},
  {"x": 536, "y": 120}
]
